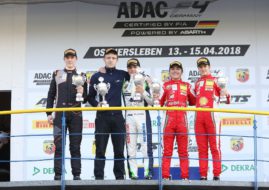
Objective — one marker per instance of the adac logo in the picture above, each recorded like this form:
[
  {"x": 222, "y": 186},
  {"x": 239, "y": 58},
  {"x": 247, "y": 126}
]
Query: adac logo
[
  {"x": 41, "y": 79},
  {"x": 165, "y": 75},
  {"x": 41, "y": 124},
  {"x": 41, "y": 103},
  {"x": 237, "y": 144},
  {"x": 160, "y": 9},
  {"x": 49, "y": 147},
  {"x": 242, "y": 75},
  {"x": 194, "y": 75}
]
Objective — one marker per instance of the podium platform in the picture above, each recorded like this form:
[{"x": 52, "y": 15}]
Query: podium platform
[{"x": 132, "y": 185}]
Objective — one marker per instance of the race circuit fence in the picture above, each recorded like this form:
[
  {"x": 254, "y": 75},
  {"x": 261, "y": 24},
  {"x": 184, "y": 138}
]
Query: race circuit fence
[{"x": 159, "y": 133}]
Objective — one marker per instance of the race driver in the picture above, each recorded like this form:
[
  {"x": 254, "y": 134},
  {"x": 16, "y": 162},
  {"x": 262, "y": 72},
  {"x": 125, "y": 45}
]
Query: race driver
[
  {"x": 207, "y": 125},
  {"x": 177, "y": 93},
  {"x": 138, "y": 123},
  {"x": 63, "y": 92}
]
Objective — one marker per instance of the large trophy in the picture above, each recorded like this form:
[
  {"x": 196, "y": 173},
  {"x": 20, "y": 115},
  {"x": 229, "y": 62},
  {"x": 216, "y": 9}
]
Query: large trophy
[
  {"x": 222, "y": 83},
  {"x": 102, "y": 89},
  {"x": 156, "y": 89},
  {"x": 79, "y": 81},
  {"x": 139, "y": 79}
]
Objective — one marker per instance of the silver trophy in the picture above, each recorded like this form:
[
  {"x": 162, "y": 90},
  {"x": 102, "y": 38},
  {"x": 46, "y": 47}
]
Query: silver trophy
[
  {"x": 102, "y": 89},
  {"x": 222, "y": 83},
  {"x": 79, "y": 81},
  {"x": 156, "y": 89},
  {"x": 139, "y": 79}
]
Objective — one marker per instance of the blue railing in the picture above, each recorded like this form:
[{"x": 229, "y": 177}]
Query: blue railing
[{"x": 159, "y": 133}]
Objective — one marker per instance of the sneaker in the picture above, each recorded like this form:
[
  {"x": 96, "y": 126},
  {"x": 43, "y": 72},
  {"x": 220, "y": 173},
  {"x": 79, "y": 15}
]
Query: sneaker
[
  {"x": 134, "y": 178},
  {"x": 76, "y": 177},
  {"x": 203, "y": 178},
  {"x": 57, "y": 177},
  {"x": 216, "y": 178},
  {"x": 148, "y": 177},
  {"x": 185, "y": 179}
]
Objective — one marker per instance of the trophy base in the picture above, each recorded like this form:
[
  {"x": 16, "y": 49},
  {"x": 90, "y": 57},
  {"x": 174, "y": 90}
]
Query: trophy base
[
  {"x": 156, "y": 103},
  {"x": 104, "y": 104},
  {"x": 137, "y": 97},
  {"x": 78, "y": 99},
  {"x": 222, "y": 100}
]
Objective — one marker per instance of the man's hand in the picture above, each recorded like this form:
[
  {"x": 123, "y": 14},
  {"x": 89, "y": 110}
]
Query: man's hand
[
  {"x": 224, "y": 92},
  {"x": 102, "y": 70},
  {"x": 139, "y": 89},
  {"x": 4, "y": 138},
  {"x": 80, "y": 89},
  {"x": 50, "y": 119},
  {"x": 149, "y": 81}
]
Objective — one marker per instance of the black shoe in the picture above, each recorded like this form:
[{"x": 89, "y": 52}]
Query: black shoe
[
  {"x": 119, "y": 178},
  {"x": 99, "y": 178},
  {"x": 167, "y": 179},
  {"x": 148, "y": 177},
  {"x": 216, "y": 178},
  {"x": 57, "y": 177},
  {"x": 203, "y": 178},
  {"x": 77, "y": 177}
]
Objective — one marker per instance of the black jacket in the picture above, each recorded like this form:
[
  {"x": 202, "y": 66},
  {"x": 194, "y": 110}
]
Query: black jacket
[
  {"x": 116, "y": 79},
  {"x": 63, "y": 91}
]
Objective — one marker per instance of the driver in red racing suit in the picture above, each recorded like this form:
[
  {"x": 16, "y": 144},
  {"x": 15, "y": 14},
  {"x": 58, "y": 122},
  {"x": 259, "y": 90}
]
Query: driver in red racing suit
[
  {"x": 176, "y": 94},
  {"x": 207, "y": 124}
]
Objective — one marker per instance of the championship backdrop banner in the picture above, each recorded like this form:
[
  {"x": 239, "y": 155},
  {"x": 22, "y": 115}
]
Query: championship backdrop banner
[{"x": 229, "y": 33}]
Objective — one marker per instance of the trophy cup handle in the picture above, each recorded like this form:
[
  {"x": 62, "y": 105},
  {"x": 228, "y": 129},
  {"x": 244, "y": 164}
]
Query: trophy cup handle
[
  {"x": 108, "y": 86},
  {"x": 95, "y": 87}
]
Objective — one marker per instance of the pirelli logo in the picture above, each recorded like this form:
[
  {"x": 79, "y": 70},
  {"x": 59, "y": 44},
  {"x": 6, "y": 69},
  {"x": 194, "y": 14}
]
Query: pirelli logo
[
  {"x": 237, "y": 122},
  {"x": 41, "y": 124}
]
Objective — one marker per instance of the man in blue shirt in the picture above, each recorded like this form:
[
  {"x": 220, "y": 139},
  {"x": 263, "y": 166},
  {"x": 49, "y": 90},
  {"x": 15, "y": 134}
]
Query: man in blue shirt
[{"x": 109, "y": 122}]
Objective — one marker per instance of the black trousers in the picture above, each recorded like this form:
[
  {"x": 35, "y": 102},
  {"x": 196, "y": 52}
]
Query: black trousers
[
  {"x": 74, "y": 126},
  {"x": 109, "y": 124}
]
